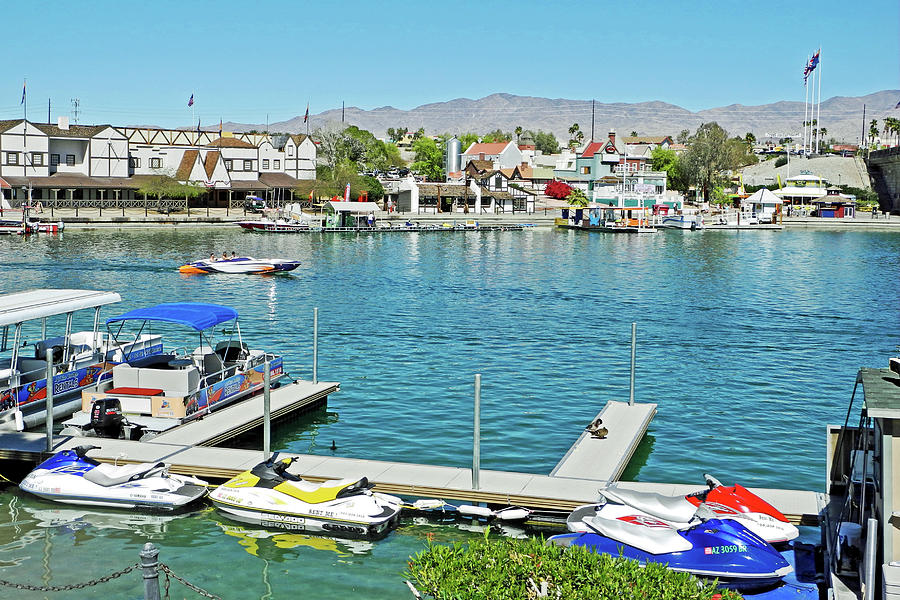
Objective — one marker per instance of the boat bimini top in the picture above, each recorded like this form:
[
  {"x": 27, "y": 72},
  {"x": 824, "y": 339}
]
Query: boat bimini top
[{"x": 196, "y": 315}]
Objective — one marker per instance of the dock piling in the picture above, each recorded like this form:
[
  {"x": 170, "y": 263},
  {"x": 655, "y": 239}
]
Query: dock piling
[
  {"x": 149, "y": 564},
  {"x": 315, "y": 344},
  {"x": 267, "y": 412},
  {"x": 476, "y": 437},
  {"x": 633, "y": 343},
  {"x": 49, "y": 422}
]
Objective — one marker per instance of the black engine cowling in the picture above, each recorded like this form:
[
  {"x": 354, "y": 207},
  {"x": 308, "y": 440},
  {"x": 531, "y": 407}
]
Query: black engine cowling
[{"x": 106, "y": 417}]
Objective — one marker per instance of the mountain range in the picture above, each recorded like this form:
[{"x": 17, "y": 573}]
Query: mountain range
[{"x": 841, "y": 116}]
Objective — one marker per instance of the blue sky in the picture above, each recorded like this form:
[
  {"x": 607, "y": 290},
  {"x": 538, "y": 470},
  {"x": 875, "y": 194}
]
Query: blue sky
[{"x": 139, "y": 62}]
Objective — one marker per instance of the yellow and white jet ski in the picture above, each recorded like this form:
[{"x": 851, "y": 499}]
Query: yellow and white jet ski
[{"x": 270, "y": 496}]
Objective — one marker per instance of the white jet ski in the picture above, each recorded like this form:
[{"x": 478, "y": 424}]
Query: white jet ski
[
  {"x": 72, "y": 477},
  {"x": 270, "y": 496}
]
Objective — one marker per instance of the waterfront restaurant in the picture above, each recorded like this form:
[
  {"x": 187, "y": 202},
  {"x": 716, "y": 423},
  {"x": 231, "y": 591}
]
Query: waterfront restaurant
[
  {"x": 802, "y": 189},
  {"x": 834, "y": 205}
]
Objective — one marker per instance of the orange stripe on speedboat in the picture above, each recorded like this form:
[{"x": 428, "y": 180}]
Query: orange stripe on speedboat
[{"x": 191, "y": 269}]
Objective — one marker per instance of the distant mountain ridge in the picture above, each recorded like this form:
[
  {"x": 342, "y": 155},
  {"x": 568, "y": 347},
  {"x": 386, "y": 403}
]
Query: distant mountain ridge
[{"x": 841, "y": 116}]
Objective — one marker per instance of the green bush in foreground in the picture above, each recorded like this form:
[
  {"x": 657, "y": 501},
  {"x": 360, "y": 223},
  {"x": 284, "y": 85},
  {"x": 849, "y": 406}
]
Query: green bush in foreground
[{"x": 511, "y": 569}]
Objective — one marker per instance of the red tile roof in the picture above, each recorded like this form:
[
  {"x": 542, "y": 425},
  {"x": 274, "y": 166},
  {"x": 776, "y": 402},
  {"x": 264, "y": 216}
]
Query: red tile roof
[
  {"x": 211, "y": 159},
  {"x": 187, "y": 165},
  {"x": 224, "y": 142},
  {"x": 592, "y": 149},
  {"x": 490, "y": 148}
]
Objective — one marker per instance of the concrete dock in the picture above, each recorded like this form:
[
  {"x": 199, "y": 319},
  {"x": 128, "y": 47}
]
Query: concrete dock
[
  {"x": 427, "y": 481},
  {"x": 605, "y": 459}
]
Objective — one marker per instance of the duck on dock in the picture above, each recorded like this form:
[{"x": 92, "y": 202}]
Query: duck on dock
[{"x": 597, "y": 430}]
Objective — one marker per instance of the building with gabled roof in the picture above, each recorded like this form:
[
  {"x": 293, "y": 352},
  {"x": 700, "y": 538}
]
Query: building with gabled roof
[{"x": 503, "y": 155}]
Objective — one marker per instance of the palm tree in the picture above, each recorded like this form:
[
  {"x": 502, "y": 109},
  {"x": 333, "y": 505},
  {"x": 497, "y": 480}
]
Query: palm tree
[
  {"x": 518, "y": 132},
  {"x": 873, "y": 131}
]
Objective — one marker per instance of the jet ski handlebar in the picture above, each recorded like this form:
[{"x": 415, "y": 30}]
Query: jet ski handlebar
[
  {"x": 711, "y": 481},
  {"x": 81, "y": 451}
]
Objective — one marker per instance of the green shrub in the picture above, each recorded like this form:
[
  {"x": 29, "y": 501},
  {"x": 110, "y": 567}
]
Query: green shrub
[
  {"x": 513, "y": 569},
  {"x": 780, "y": 161}
]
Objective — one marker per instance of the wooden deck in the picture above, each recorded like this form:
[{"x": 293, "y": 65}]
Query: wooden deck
[
  {"x": 605, "y": 459},
  {"x": 426, "y": 481},
  {"x": 233, "y": 421}
]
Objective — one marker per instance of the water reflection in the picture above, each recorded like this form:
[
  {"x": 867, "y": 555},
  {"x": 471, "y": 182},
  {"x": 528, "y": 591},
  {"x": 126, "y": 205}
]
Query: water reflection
[{"x": 275, "y": 545}]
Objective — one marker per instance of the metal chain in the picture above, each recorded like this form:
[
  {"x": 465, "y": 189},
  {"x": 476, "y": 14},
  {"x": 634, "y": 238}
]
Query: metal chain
[
  {"x": 165, "y": 569},
  {"x": 65, "y": 588}
]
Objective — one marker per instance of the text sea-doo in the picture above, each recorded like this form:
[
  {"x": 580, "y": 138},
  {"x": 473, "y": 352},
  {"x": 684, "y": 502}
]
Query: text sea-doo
[
  {"x": 240, "y": 264},
  {"x": 715, "y": 548},
  {"x": 727, "y": 502},
  {"x": 270, "y": 496},
  {"x": 72, "y": 477}
]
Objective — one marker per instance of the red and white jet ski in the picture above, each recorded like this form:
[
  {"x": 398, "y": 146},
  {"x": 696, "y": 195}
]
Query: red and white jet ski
[{"x": 727, "y": 502}]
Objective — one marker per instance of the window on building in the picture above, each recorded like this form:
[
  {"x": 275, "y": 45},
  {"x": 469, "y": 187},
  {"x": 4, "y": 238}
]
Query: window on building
[
  {"x": 135, "y": 162},
  {"x": 37, "y": 159},
  {"x": 277, "y": 163},
  {"x": 54, "y": 160},
  {"x": 70, "y": 160},
  {"x": 155, "y": 163},
  {"x": 585, "y": 170},
  {"x": 290, "y": 150},
  {"x": 265, "y": 163},
  {"x": 12, "y": 158},
  {"x": 248, "y": 165},
  {"x": 498, "y": 182},
  {"x": 229, "y": 165}
]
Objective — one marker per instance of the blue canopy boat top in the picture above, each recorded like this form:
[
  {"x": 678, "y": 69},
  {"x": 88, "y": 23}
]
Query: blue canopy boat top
[{"x": 198, "y": 315}]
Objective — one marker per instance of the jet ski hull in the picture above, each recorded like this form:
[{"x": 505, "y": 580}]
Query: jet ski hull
[
  {"x": 719, "y": 549},
  {"x": 62, "y": 478}
]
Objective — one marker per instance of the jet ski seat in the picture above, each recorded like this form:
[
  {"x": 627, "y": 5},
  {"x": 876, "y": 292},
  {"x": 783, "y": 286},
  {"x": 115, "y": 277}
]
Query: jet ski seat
[
  {"x": 670, "y": 508},
  {"x": 314, "y": 493},
  {"x": 108, "y": 475},
  {"x": 655, "y": 540}
]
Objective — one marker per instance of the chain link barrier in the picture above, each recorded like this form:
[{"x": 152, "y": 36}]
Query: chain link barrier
[
  {"x": 168, "y": 572},
  {"x": 74, "y": 586}
]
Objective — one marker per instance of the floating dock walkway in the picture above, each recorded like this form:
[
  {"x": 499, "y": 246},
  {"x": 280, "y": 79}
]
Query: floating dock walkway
[
  {"x": 605, "y": 459},
  {"x": 427, "y": 481}
]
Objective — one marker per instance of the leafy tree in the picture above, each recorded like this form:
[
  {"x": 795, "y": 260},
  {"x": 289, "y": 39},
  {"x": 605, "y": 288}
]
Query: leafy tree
[
  {"x": 429, "y": 159},
  {"x": 683, "y": 136},
  {"x": 576, "y": 136},
  {"x": 711, "y": 156},
  {"x": 577, "y": 197},
  {"x": 557, "y": 189},
  {"x": 467, "y": 139},
  {"x": 395, "y": 135},
  {"x": 518, "y": 132},
  {"x": 668, "y": 161},
  {"x": 496, "y": 135},
  {"x": 873, "y": 130},
  {"x": 751, "y": 139},
  {"x": 420, "y": 132},
  {"x": 546, "y": 142},
  {"x": 781, "y": 161}
]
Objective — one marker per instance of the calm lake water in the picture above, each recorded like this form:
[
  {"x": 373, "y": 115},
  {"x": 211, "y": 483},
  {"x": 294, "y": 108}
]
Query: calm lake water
[{"x": 748, "y": 341}]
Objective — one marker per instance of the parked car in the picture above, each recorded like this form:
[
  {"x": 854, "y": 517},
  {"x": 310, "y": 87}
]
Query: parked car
[{"x": 254, "y": 204}]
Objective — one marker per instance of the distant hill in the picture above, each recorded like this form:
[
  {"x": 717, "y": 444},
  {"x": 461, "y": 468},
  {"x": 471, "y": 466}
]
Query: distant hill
[{"x": 841, "y": 116}]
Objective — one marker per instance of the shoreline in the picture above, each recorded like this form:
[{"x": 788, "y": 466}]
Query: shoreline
[{"x": 88, "y": 219}]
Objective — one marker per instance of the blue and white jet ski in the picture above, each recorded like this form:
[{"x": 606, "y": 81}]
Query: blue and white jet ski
[
  {"x": 713, "y": 548},
  {"x": 72, "y": 477}
]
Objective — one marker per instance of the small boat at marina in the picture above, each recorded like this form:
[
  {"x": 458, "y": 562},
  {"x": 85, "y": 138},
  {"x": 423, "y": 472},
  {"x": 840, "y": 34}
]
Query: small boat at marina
[
  {"x": 80, "y": 359},
  {"x": 691, "y": 222},
  {"x": 709, "y": 547},
  {"x": 240, "y": 264},
  {"x": 275, "y": 226},
  {"x": 270, "y": 496},
  {"x": 72, "y": 477},
  {"x": 726, "y": 502},
  {"x": 161, "y": 391}
]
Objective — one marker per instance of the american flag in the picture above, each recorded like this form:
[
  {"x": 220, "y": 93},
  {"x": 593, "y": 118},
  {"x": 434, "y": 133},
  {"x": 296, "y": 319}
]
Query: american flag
[{"x": 191, "y": 101}]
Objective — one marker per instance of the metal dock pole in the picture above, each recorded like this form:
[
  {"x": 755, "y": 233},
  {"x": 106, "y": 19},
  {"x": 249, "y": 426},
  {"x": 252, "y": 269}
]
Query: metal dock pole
[
  {"x": 315, "y": 344},
  {"x": 149, "y": 564},
  {"x": 633, "y": 342},
  {"x": 476, "y": 437},
  {"x": 267, "y": 412},
  {"x": 49, "y": 403}
]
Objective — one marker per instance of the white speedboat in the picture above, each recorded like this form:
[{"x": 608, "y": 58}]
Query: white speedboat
[
  {"x": 71, "y": 477},
  {"x": 240, "y": 264},
  {"x": 692, "y": 222},
  {"x": 270, "y": 496}
]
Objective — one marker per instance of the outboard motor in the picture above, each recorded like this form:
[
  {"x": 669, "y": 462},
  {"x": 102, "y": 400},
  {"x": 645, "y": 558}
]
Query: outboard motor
[{"x": 106, "y": 417}]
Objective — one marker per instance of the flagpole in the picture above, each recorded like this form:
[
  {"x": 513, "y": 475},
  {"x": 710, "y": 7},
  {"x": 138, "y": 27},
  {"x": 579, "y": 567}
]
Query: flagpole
[
  {"x": 819, "y": 109},
  {"x": 805, "y": 110}
]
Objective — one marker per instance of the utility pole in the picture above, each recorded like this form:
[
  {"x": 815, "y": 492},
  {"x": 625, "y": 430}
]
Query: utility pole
[
  {"x": 75, "y": 104},
  {"x": 48, "y": 111},
  {"x": 592, "y": 119},
  {"x": 863, "y": 138},
  {"x": 342, "y": 111}
]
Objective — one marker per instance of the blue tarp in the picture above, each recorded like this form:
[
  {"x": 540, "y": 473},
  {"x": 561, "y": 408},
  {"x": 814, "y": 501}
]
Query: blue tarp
[{"x": 193, "y": 314}]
